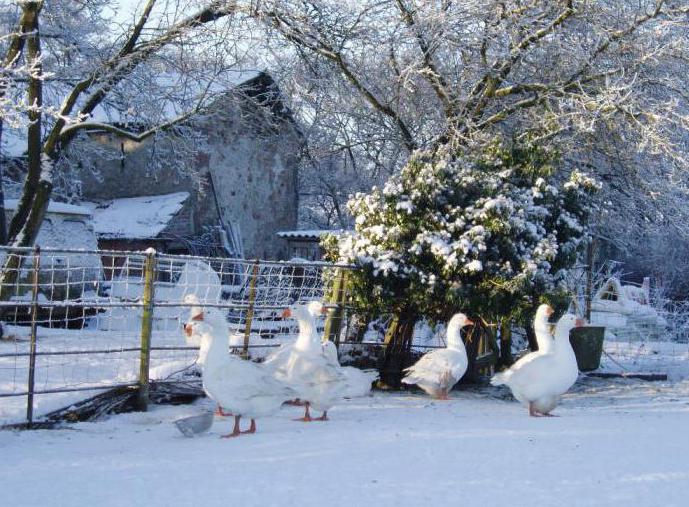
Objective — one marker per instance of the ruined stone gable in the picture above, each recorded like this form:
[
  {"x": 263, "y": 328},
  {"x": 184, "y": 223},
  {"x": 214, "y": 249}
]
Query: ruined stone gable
[{"x": 245, "y": 175}]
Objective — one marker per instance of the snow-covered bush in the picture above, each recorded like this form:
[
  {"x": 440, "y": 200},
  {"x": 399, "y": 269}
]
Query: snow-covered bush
[{"x": 482, "y": 231}]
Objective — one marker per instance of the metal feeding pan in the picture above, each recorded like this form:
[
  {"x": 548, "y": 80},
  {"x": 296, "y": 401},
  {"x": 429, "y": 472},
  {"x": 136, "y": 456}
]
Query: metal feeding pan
[{"x": 195, "y": 424}]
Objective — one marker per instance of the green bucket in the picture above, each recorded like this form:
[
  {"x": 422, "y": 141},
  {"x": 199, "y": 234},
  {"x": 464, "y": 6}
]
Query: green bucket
[{"x": 587, "y": 343}]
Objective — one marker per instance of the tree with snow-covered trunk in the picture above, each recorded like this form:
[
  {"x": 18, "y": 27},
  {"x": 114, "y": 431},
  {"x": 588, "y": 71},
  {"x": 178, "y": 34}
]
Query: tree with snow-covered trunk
[{"x": 87, "y": 66}]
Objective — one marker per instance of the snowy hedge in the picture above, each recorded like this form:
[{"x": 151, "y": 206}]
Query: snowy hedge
[{"x": 478, "y": 232}]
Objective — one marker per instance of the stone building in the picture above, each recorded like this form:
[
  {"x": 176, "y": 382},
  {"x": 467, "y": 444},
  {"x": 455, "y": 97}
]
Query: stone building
[{"x": 243, "y": 189}]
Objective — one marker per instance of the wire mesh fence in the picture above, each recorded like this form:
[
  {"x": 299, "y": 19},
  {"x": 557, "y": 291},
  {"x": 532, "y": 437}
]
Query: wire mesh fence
[
  {"x": 76, "y": 321},
  {"x": 644, "y": 331}
]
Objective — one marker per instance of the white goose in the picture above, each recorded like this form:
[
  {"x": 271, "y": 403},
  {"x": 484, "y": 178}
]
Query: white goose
[
  {"x": 439, "y": 370},
  {"x": 195, "y": 339},
  {"x": 307, "y": 331},
  {"x": 538, "y": 379},
  {"x": 544, "y": 337},
  {"x": 233, "y": 383},
  {"x": 317, "y": 383},
  {"x": 357, "y": 382}
]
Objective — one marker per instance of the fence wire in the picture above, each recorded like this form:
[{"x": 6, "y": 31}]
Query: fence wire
[
  {"x": 88, "y": 317},
  {"x": 644, "y": 331}
]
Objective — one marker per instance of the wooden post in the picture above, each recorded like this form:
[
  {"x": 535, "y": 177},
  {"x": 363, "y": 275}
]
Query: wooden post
[
  {"x": 146, "y": 328},
  {"x": 333, "y": 322},
  {"x": 34, "y": 325},
  {"x": 250, "y": 310}
]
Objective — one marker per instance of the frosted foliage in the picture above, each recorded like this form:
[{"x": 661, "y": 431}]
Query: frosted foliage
[{"x": 469, "y": 223}]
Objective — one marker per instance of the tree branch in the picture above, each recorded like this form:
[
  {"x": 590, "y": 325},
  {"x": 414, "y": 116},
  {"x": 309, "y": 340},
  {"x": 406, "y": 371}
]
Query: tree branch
[
  {"x": 70, "y": 131},
  {"x": 296, "y": 36},
  {"x": 432, "y": 74},
  {"x": 485, "y": 88},
  {"x": 120, "y": 66}
]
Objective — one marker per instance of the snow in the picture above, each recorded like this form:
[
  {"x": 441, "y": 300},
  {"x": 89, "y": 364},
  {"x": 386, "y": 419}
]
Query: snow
[
  {"x": 54, "y": 207},
  {"x": 80, "y": 371},
  {"x": 606, "y": 449},
  {"x": 13, "y": 143},
  {"x": 136, "y": 217}
]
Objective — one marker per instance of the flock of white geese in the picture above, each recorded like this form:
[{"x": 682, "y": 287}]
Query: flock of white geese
[{"x": 307, "y": 372}]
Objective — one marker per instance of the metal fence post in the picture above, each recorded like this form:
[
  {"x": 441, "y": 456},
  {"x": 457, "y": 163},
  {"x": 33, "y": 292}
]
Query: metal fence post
[
  {"x": 32, "y": 350},
  {"x": 589, "y": 280},
  {"x": 250, "y": 311},
  {"x": 146, "y": 327},
  {"x": 333, "y": 323}
]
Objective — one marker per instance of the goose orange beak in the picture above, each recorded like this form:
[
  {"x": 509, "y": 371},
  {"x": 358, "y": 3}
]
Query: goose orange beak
[
  {"x": 286, "y": 313},
  {"x": 188, "y": 329},
  {"x": 468, "y": 322},
  {"x": 579, "y": 322}
]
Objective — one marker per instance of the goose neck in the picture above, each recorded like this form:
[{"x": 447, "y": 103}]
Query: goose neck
[
  {"x": 307, "y": 333},
  {"x": 454, "y": 338},
  {"x": 214, "y": 348}
]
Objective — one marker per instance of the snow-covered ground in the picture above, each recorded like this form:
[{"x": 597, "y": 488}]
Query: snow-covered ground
[{"x": 616, "y": 443}]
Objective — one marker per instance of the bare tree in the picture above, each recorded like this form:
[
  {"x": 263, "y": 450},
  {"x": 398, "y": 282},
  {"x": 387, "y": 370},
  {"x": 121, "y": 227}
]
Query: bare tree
[
  {"x": 597, "y": 78},
  {"x": 82, "y": 67}
]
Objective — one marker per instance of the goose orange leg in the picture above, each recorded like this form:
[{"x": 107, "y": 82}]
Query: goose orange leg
[
  {"x": 443, "y": 395},
  {"x": 533, "y": 412},
  {"x": 307, "y": 414},
  {"x": 323, "y": 417},
  {"x": 252, "y": 427},
  {"x": 235, "y": 431}
]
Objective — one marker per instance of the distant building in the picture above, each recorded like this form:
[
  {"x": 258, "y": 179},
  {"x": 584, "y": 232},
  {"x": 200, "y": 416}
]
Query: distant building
[
  {"x": 248, "y": 171},
  {"x": 305, "y": 244}
]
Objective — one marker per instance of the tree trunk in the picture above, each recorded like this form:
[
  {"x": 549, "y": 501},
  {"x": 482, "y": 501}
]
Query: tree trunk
[
  {"x": 531, "y": 336},
  {"x": 38, "y": 186},
  {"x": 471, "y": 344},
  {"x": 30, "y": 14},
  {"x": 14, "y": 53},
  {"x": 395, "y": 358},
  {"x": 505, "y": 359}
]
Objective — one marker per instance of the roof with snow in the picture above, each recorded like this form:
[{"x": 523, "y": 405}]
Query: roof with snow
[
  {"x": 55, "y": 207},
  {"x": 136, "y": 217},
  {"x": 312, "y": 234}
]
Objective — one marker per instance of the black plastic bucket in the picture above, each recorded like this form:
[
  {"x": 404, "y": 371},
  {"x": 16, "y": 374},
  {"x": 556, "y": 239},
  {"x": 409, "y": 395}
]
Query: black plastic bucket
[{"x": 587, "y": 342}]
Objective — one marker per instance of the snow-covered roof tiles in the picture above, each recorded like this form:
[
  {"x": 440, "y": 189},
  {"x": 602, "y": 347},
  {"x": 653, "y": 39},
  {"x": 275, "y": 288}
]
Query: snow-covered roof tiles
[
  {"x": 55, "y": 207},
  {"x": 136, "y": 217}
]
